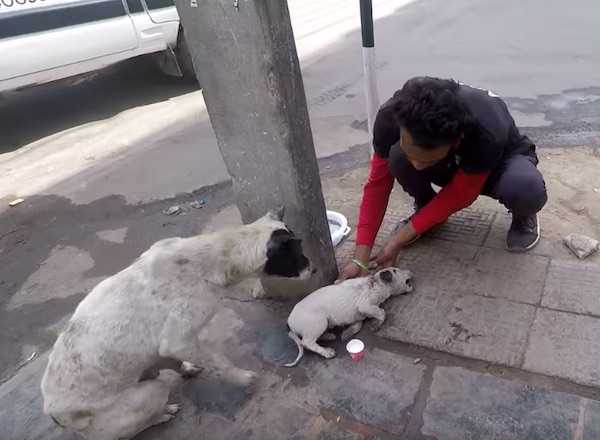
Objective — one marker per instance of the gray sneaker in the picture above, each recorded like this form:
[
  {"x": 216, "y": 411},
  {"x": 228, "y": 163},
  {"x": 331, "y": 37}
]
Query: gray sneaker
[{"x": 524, "y": 233}]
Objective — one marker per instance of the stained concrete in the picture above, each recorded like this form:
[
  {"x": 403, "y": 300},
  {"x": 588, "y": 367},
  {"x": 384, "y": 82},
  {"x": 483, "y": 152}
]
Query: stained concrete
[
  {"x": 475, "y": 313},
  {"x": 490, "y": 329},
  {"x": 93, "y": 160},
  {"x": 565, "y": 345},
  {"x": 473, "y": 406},
  {"x": 573, "y": 286}
]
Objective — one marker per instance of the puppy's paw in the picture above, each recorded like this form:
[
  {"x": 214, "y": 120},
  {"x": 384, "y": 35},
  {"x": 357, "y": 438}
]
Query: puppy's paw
[
  {"x": 328, "y": 353},
  {"x": 188, "y": 370}
]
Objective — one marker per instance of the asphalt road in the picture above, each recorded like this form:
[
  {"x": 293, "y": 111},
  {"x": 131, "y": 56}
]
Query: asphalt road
[{"x": 130, "y": 131}]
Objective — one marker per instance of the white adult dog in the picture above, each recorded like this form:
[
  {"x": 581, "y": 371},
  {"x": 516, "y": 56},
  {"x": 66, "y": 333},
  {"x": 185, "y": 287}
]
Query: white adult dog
[
  {"x": 345, "y": 304},
  {"x": 102, "y": 376}
]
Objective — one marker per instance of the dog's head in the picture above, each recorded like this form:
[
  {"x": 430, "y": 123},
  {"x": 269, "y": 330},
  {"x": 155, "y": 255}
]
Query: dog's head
[
  {"x": 397, "y": 280},
  {"x": 284, "y": 255}
]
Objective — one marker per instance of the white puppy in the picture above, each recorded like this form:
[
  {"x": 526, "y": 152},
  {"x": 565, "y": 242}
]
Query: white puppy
[
  {"x": 102, "y": 375},
  {"x": 346, "y": 303}
]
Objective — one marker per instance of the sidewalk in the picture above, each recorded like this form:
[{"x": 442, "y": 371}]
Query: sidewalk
[{"x": 490, "y": 345}]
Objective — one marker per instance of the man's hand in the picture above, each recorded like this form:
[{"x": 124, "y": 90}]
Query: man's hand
[
  {"x": 353, "y": 270},
  {"x": 389, "y": 254}
]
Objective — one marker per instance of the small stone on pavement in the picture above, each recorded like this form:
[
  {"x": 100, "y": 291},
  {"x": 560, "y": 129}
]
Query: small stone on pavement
[
  {"x": 581, "y": 245},
  {"x": 173, "y": 210}
]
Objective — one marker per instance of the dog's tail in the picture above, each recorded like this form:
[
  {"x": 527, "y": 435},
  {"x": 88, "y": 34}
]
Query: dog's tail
[{"x": 298, "y": 342}]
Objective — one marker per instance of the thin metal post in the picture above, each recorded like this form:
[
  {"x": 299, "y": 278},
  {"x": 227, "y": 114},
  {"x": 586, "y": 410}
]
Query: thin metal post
[{"x": 368, "y": 54}]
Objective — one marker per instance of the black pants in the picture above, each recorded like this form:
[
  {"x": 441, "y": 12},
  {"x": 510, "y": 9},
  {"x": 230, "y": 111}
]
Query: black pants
[{"x": 516, "y": 183}]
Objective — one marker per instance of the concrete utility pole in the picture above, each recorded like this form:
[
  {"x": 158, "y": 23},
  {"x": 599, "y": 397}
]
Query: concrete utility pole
[{"x": 245, "y": 58}]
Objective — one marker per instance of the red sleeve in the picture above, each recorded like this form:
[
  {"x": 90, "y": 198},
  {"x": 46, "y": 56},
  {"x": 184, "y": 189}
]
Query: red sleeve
[
  {"x": 462, "y": 190},
  {"x": 376, "y": 194}
]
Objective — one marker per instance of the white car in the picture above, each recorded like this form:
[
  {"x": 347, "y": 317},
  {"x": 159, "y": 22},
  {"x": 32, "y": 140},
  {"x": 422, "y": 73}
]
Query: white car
[{"x": 46, "y": 40}]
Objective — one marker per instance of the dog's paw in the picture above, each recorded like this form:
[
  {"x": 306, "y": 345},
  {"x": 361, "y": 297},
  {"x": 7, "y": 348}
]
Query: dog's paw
[
  {"x": 164, "y": 418},
  {"x": 258, "y": 293},
  {"x": 247, "y": 378},
  {"x": 188, "y": 369},
  {"x": 243, "y": 378},
  {"x": 253, "y": 287},
  {"x": 375, "y": 325},
  {"x": 328, "y": 353},
  {"x": 168, "y": 415},
  {"x": 172, "y": 408}
]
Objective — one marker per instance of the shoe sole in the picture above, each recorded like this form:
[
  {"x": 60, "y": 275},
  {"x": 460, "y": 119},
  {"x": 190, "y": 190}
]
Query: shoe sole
[{"x": 532, "y": 245}]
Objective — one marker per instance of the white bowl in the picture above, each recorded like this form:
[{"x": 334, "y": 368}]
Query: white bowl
[{"x": 338, "y": 226}]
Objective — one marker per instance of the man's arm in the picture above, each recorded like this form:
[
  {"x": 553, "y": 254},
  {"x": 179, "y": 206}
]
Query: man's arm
[
  {"x": 461, "y": 192},
  {"x": 376, "y": 193}
]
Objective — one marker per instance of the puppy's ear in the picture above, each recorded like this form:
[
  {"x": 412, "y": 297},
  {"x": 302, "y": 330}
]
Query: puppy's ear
[
  {"x": 386, "y": 276},
  {"x": 277, "y": 213}
]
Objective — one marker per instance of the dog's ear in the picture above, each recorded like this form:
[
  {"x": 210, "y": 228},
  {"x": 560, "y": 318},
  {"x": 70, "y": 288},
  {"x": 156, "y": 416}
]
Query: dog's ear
[
  {"x": 278, "y": 238},
  {"x": 277, "y": 213},
  {"x": 386, "y": 276}
]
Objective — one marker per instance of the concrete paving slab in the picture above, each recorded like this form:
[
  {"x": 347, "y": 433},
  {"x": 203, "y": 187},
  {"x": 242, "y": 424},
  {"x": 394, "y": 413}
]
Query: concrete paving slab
[
  {"x": 289, "y": 422},
  {"x": 275, "y": 415},
  {"x": 469, "y": 226},
  {"x": 438, "y": 264},
  {"x": 474, "y": 406},
  {"x": 216, "y": 410},
  {"x": 565, "y": 345},
  {"x": 573, "y": 286},
  {"x": 500, "y": 274},
  {"x": 376, "y": 391},
  {"x": 468, "y": 325}
]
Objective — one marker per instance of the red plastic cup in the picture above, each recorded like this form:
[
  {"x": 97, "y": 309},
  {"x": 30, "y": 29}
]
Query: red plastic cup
[{"x": 356, "y": 348}]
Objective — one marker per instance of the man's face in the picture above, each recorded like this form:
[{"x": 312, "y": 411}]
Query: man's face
[{"x": 422, "y": 158}]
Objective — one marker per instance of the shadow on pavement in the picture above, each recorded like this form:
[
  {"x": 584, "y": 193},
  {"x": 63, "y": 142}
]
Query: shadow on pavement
[
  {"x": 33, "y": 113},
  {"x": 52, "y": 231}
]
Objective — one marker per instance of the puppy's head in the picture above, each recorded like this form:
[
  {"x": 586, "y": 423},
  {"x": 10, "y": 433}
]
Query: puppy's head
[
  {"x": 397, "y": 280},
  {"x": 285, "y": 257}
]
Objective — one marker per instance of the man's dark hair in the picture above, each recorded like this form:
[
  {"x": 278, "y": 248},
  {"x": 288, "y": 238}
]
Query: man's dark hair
[{"x": 430, "y": 110}]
